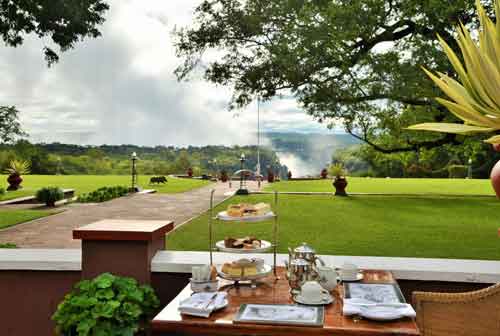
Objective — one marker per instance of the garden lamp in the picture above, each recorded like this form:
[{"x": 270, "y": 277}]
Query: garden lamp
[
  {"x": 134, "y": 159},
  {"x": 243, "y": 174}
]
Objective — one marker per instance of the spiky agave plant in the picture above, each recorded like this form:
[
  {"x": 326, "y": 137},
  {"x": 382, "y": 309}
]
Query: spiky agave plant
[
  {"x": 17, "y": 167},
  {"x": 476, "y": 100}
]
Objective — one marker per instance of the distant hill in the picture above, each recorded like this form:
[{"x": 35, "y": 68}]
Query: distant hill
[{"x": 307, "y": 153}]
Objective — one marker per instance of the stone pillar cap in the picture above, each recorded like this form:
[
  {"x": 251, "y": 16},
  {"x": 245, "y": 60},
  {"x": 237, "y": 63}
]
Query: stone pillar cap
[{"x": 118, "y": 229}]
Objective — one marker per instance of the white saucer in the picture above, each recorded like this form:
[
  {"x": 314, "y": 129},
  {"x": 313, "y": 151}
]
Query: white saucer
[
  {"x": 359, "y": 276},
  {"x": 326, "y": 299}
]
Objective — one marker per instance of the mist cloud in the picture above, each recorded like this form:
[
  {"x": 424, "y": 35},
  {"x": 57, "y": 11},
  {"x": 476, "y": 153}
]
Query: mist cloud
[{"x": 120, "y": 88}]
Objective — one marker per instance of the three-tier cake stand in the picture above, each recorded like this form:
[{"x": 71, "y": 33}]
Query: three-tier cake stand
[{"x": 265, "y": 269}]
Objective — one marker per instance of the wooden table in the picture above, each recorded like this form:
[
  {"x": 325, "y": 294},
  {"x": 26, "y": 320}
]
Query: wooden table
[{"x": 170, "y": 322}]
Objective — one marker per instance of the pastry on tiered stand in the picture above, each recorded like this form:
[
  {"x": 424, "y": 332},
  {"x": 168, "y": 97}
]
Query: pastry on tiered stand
[
  {"x": 248, "y": 210},
  {"x": 243, "y": 243},
  {"x": 243, "y": 268}
]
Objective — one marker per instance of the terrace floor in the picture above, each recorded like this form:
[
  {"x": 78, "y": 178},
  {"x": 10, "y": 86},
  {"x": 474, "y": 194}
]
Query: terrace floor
[{"x": 56, "y": 231}]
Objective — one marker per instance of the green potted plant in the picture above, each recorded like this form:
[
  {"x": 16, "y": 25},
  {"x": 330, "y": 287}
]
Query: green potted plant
[
  {"x": 50, "y": 195},
  {"x": 339, "y": 179},
  {"x": 223, "y": 176},
  {"x": 16, "y": 169},
  {"x": 106, "y": 305},
  {"x": 324, "y": 173}
]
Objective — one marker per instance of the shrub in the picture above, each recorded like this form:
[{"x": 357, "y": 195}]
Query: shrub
[
  {"x": 49, "y": 195},
  {"x": 457, "y": 171},
  {"x": 106, "y": 305},
  {"x": 2, "y": 192},
  {"x": 8, "y": 245},
  {"x": 103, "y": 194}
]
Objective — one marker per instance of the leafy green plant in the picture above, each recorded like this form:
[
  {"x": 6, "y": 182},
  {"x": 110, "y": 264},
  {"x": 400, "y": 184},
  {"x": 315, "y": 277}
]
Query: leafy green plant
[
  {"x": 18, "y": 167},
  {"x": 8, "y": 245},
  {"x": 50, "y": 195},
  {"x": 2, "y": 192},
  {"x": 476, "y": 100},
  {"x": 107, "y": 305},
  {"x": 337, "y": 170},
  {"x": 103, "y": 194}
]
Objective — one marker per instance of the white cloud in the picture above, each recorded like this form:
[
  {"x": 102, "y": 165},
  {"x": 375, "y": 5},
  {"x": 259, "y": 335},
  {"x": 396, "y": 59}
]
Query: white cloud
[{"x": 120, "y": 88}]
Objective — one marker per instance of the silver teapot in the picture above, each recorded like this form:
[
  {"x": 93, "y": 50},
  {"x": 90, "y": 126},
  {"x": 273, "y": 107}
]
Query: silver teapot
[
  {"x": 299, "y": 271},
  {"x": 305, "y": 252}
]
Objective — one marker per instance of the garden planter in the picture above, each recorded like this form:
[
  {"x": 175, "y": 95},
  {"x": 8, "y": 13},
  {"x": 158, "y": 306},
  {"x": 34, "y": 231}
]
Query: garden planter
[
  {"x": 270, "y": 177},
  {"x": 324, "y": 173},
  {"x": 190, "y": 172},
  {"x": 340, "y": 183},
  {"x": 495, "y": 178},
  {"x": 14, "y": 181}
]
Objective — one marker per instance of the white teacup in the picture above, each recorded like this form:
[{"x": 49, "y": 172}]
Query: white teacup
[
  {"x": 349, "y": 271},
  {"x": 312, "y": 291}
]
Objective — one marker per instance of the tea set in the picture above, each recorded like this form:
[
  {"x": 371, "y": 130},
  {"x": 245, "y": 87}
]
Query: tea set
[{"x": 310, "y": 280}]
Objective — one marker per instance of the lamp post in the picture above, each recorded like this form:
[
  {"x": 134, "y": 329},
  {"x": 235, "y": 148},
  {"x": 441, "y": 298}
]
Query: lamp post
[
  {"x": 242, "y": 162},
  {"x": 278, "y": 170},
  {"x": 134, "y": 159},
  {"x": 58, "y": 169},
  {"x": 469, "y": 169},
  {"x": 214, "y": 161},
  {"x": 242, "y": 190}
]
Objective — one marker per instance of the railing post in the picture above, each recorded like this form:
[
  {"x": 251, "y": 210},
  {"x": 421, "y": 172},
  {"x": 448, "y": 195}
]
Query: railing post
[{"x": 121, "y": 247}]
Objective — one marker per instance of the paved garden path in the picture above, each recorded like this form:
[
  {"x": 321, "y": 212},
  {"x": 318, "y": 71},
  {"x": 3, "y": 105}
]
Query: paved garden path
[{"x": 56, "y": 231}]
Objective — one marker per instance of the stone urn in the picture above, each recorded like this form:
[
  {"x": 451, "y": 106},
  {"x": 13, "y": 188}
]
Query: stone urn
[
  {"x": 495, "y": 178},
  {"x": 223, "y": 176},
  {"x": 270, "y": 176},
  {"x": 14, "y": 181},
  {"x": 340, "y": 183},
  {"x": 495, "y": 173}
]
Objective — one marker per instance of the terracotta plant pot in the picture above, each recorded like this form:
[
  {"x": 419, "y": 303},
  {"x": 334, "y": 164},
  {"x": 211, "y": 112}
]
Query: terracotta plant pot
[
  {"x": 340, "y": 183},
  {"x": 15, "y": 181},
  {"x": 495, "y": 178}
]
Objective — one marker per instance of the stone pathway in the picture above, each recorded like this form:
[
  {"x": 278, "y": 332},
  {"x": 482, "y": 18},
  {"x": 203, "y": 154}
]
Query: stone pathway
[{"x": 56, "y": 231}]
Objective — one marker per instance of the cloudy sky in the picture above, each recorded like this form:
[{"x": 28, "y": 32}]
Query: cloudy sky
[{"x": 120, "y": 88}]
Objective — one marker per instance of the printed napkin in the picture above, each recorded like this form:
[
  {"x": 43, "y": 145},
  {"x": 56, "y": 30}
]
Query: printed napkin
[{"x": 202, "y": 304}]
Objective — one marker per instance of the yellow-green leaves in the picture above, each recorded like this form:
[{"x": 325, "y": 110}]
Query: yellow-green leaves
[
  {"x": 476, "y": 98},
  {"x": 450, "y": 128}
]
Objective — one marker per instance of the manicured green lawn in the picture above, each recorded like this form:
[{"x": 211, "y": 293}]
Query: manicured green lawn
[
  {"x": 13, "y": 217},
  {"x": 393, "y": 186},
  {"x": 437, "y": 227},
  {"x": 87, "y": 183}
]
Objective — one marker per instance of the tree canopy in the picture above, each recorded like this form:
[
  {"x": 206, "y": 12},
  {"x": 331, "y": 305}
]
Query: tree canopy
[
  {"x": 355, "y": 62},
  {"x": 64, "y": 21},
  {"x": 10, "y": 128}
]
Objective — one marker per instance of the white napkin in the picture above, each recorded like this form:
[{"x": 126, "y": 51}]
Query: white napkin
[
  {"x": 202, "y": 304},
  {"x": 381, "y": 311}
]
